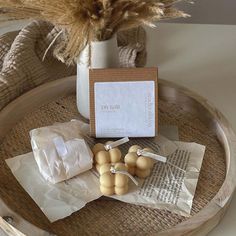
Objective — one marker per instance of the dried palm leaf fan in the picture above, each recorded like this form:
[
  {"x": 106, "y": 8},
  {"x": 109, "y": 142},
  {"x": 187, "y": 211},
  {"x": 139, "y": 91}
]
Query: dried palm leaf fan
[{"x": 84, "y": 21}]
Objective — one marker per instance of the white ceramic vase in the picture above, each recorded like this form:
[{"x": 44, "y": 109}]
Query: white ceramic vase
[{"x": 104, "y": 54}]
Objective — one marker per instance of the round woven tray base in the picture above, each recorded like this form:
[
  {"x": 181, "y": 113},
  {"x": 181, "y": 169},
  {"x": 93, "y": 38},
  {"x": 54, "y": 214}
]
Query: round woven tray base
[{"x": 103, "y": 217}]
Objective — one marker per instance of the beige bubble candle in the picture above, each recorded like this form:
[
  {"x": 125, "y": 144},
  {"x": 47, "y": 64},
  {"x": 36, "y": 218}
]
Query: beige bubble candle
[
  {"x": 108, "y": 152},
  {"x": 114, "y": 179},
  {"x": 140, "y": 161}
]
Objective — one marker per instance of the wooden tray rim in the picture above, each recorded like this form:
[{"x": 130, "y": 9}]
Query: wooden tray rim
[{"x": 199, "y": 224}]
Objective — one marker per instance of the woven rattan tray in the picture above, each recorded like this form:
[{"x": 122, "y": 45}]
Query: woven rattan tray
[{"x": 197, "y": 121}]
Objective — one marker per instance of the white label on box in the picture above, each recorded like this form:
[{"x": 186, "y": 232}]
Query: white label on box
[{"x": 125, "y": 109}]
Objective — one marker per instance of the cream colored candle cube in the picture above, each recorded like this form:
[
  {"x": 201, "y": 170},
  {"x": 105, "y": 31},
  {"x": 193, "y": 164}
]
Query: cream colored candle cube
[
  {"x": 103, "y": 156},
  {"x": 138, "y": 165},
  {"x": 113, "y": 183}
]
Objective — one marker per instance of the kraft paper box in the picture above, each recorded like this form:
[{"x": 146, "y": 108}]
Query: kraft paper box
[{"x": 123, "y": 102}]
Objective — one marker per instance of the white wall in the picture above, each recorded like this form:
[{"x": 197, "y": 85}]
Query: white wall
[{"x": 209, "y": 12}]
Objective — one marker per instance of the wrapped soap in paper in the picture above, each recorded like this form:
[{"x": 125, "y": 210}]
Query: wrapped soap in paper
[{"x": 60, "y": 151}]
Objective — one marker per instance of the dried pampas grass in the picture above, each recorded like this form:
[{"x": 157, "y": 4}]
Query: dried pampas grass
[{"x": 83, "y": 21}]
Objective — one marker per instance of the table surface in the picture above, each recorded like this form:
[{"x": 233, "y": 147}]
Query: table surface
[{"x": 202, "y": 58}]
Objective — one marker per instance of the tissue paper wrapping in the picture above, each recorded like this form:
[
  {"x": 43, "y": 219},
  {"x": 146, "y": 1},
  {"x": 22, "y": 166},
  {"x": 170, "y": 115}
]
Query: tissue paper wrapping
[
  {"x": 61, "y": 200},
  {"x": 60, "y": 151}
]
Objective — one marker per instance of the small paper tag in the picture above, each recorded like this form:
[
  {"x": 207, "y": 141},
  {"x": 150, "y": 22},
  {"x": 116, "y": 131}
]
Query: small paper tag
[
  {"x": 116, "y": 143},
  {"x": 123, "y": 103},
  {"x": 60, "y": 146},
  {"x": 151, "y": 155},
  {"x": 114, "y": 171}
]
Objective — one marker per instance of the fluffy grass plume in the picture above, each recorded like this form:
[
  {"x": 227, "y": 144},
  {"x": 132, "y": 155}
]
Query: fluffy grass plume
[{"x": 83, "y": 21}]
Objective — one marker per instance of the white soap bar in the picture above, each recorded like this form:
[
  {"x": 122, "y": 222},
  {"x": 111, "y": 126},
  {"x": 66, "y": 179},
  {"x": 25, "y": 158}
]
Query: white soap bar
[{"x": 60, "y": 151}]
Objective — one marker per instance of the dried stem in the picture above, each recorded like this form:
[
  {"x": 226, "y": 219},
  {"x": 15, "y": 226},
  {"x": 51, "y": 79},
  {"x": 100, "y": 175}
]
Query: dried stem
[{"x": 83, "y": 21}]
